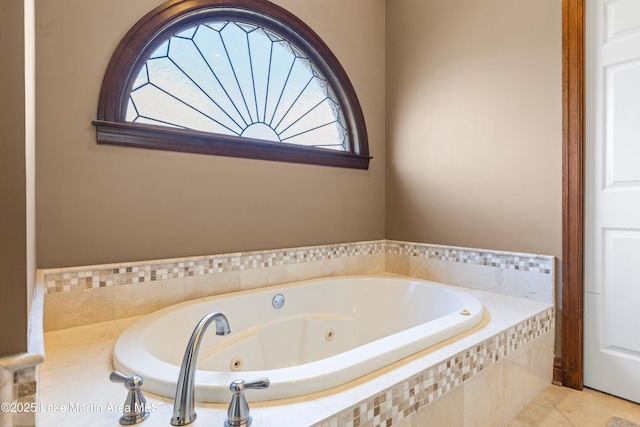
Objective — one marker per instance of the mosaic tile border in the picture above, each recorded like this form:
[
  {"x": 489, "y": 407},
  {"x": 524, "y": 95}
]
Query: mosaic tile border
[
  {"x": 390, "y": 406},
  {"x": 521, "y": 262},
  {"x": 77, "y": 278},
  {"x": 70, "y": 279}
]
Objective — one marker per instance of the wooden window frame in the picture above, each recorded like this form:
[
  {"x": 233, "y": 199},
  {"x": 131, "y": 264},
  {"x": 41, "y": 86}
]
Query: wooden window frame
[{"x": 164, "y": 21}]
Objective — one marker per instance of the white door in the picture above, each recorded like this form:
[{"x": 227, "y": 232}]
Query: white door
[{"x": 612, "y": 198}]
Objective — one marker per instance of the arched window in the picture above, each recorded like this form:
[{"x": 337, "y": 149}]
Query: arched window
[{"x": 241, "y": 78}]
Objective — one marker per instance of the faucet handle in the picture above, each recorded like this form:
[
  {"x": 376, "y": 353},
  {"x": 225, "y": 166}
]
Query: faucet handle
[
  {"x": 238, "y": 412},
  {"x": 133, "y": 382},
  {"x": 259, "y": 383},
  {"x": 135, "y": 407}
]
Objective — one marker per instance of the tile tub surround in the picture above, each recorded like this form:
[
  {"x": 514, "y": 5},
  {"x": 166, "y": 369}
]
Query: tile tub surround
[
  {"x": 508, "y": 273},
  {"x": 19, "y": 373},
  {"x": 510, "y": 354},
  {"x": 83, "y": 295},
  {"x": 20, "y": 389}
]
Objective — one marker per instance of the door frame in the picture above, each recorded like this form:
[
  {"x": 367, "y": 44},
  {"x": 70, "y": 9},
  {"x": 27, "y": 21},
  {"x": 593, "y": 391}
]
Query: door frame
[{"x": 573, "y": 177}]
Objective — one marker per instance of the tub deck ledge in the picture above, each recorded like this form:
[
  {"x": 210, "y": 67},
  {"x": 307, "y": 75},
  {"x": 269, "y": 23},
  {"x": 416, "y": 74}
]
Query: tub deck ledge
[{"x": 515, "y": 339}]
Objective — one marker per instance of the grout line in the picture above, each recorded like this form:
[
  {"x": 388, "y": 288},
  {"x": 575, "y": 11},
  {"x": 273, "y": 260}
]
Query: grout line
[{"x": 558, "y": 409}]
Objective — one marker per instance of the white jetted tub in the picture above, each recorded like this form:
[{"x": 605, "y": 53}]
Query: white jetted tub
[{"x": 328, "y": 332}]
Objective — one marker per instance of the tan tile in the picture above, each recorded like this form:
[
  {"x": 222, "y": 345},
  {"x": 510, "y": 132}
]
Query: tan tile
[
  {"x": 72, "y": 365},
  {"x": 358, "y": 265},
  {"x": 64, "y": 339},
  {"x": 587, "y": 408},
  {"x": 68, "y": 309},
  {"x": 540, "y": 413},
  {"x": 520, "y": 385},
  {"x": 542, "y": 356},
  {"x": 211, "y": 284},
  {"x": 260, "y": 277},
  {"x": 427, "y": 269},
  {"x": 484, "y": 397},
  {"x": 143, "y": 298},
  {"x": 556, "y": 394},
  {"x": 343, "y": 266},
  {"x": 578, "y": 407},
  {"x": 169, "y": 292},
  {"x": 308, "y": 270},
  {"x": 591, "y": 407},
  {"x": 125, "y": 322},
  {"x": 73, "y": 352},
  {"x": 445, "y": 411},
  {"x": 135, "y": 299},
  {"x": 397, "y": 264},
  {"x": 366, "y": 264}
]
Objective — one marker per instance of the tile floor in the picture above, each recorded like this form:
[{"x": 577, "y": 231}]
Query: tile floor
[{"x": 564, "y": 407}]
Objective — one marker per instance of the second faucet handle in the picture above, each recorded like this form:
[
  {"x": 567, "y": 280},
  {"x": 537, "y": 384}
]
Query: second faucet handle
[
  {"x": 238, "y": 412},
  {"x": 259, "y": 383},
  {"x": 135, "y": 407}
]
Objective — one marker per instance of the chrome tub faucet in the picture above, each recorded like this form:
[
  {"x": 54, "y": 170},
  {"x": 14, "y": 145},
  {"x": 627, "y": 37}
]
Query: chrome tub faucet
[{"x": 183, "y": 406}]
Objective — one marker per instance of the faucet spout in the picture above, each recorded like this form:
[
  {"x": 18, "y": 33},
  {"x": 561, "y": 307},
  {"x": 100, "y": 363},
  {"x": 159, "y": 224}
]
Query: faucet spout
[{"x": 183, "y": 406}]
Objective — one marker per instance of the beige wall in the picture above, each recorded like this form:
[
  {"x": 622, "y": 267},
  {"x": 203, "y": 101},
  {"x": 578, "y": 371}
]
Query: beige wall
[
  {"x": 100, "y": 204},
  {"x": 474, "y": 123},
  {"x": 473, "y": 140},
  {"x": 17, "y": 216}
]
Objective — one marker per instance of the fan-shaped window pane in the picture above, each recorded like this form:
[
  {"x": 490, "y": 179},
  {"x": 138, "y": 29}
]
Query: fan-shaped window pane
[
  {"x": 220, "y": 80},
  {"x": 237, "y": 79}
]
